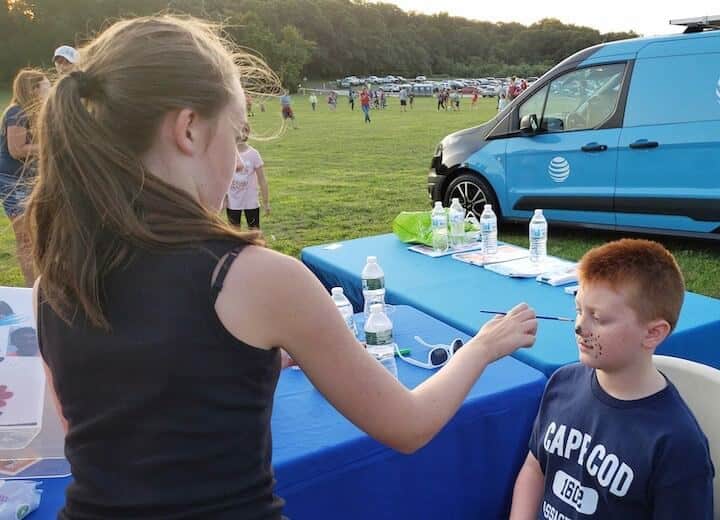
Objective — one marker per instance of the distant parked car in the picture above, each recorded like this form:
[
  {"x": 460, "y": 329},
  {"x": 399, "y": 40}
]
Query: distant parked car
[{"x": 420, "y": 78}]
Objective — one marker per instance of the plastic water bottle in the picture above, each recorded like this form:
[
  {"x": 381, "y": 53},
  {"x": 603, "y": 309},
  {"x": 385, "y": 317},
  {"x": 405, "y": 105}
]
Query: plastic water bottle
[
  {"x": 373, "y": 284},
  {"x": 488, "y": 229},
  {"x": 457, "y": 223},
  {"x": 538, "y": 237},
  {"x": 379, "y": 337},
  {"x": 439, "y": 221},
  {"x": 345, "y": 308}
]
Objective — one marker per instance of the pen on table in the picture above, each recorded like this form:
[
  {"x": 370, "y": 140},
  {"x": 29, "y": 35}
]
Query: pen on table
[{"x": 539, "y": 316}]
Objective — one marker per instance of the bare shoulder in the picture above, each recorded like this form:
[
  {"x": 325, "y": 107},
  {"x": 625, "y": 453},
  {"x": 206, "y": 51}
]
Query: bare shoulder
[
  {"x": 261, "y": 287},
  {"x": 262, "y": 265}
]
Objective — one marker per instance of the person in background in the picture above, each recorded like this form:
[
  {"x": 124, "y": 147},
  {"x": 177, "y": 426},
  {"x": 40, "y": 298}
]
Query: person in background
[
  {"x": 242, "y": 197},
  {"x": 249, "y": 106},
  {"x": 411, "y": 98},
  {"x": 160, "y": 324},
  {"x": 17, "y": 158},
  {"x": 456, "y": 96},
  {"x": 513, "y": 89},
  {"x": 473, "y": 103},
  {"x": 351, "y": 99},
  {"x": 613, "y": 438},
  {"x": 502, "y": 102},
  {"x": 286, "y": 109},
  {"x": 365, "y": 103},
  {"x": 65, "y": 58},
  {"x": 403, "y": 99},
  {"x": 313, "y": 101}
]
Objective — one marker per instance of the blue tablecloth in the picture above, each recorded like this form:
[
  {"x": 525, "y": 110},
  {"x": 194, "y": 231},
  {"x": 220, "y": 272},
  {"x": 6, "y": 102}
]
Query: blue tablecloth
[
  {"x": 326, "y": 468},
  {"x": 453, "y": 291}
]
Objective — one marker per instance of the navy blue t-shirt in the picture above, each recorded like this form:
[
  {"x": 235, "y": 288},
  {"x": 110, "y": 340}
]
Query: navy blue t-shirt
[
  {"x": 10, "y": 166},
  {"x": 605, "y": 458}
]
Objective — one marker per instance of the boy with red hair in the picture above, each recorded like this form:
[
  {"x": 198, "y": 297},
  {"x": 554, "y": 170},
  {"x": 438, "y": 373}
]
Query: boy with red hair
[{"x": 613, "y": 438}]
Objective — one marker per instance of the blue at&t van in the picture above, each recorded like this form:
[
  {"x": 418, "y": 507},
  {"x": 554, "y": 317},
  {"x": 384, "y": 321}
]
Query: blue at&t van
[{"x": 622, "y": 135}]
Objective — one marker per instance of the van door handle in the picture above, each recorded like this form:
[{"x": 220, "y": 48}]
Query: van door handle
[
  {"x": 594, "y": 147},
  {"x": 644, "y": 143}
]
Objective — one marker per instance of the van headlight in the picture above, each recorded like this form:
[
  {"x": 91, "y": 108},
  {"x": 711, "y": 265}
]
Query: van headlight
[{"x": 439, "y": 149}]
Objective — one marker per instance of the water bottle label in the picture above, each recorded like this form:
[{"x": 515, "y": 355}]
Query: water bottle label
[
  {"x": 380, "y": 338},
  {"x": 487, "y": 227},
  {"x": 439, "y": 222},
  {"x": 537, "y": 232},
  {"x": 373, "y": 284},
  {"x": 457, "y": 218}
]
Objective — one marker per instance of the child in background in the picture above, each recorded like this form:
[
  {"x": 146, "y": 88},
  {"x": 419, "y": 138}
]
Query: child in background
[
  {"x": 613, "y": 438},
  {"x": 243, "y": 193},
  {"x": 286, "y": 109},
  {"x": 502, "y": 102},
  {"x": 473, "y": 104}
]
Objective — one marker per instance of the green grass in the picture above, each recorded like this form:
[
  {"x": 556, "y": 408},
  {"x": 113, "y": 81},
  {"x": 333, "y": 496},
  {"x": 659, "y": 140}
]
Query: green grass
[{"x": 337, "y": 178}]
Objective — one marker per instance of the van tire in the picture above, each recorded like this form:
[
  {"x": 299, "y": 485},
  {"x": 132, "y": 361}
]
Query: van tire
[{"x": 473, "y": 187}]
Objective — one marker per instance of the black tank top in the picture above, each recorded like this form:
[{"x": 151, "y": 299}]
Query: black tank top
[{"x": 169, "y": 415}]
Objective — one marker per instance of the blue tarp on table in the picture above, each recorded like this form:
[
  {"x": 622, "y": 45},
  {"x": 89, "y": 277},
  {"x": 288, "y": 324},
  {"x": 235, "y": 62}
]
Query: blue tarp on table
[{"x": 454, "y": 291}]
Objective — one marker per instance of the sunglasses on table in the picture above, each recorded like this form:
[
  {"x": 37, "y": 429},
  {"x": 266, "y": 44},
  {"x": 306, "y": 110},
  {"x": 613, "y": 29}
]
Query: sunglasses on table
[{"x": 438, "y": 355}]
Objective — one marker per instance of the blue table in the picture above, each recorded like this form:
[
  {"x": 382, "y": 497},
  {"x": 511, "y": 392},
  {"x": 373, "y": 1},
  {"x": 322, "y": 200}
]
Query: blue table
[
  {"x": 453, "y": 291},
  {"x": 326, "y": 468}
]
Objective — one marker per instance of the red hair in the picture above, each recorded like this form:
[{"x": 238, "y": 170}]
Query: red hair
[{"x": 645, "y": 269}]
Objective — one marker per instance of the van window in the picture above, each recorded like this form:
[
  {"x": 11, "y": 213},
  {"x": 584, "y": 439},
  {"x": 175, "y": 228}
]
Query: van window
[
  {"x": 581, "y": 99},
  {"x": 535, "y": 104},
  {"x": 674, "y": 89}
]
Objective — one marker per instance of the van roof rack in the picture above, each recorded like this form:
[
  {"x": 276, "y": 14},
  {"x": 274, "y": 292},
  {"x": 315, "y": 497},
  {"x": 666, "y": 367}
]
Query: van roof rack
[{"x": 699, "y": 23}]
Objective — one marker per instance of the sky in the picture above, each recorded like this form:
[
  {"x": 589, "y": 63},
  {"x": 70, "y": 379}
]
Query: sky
[{"x": 645, "y": 17}]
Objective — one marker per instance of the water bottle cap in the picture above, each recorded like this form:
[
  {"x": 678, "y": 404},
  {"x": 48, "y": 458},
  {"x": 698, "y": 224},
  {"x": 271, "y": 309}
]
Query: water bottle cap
[
  {"x": 376, "y": 308},
  {"x": 372, "y": 259},
  {"x": 538, "y": 212},
  {"x": 438, "y": 204},
  {"x": 488, "y": 206},
  {"x": 456, "y": 199},
  {"x": 336, "y": 291}
]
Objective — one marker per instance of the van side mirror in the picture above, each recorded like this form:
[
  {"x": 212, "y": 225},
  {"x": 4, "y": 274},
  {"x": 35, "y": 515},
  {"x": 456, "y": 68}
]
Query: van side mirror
[{"x": 529, "y": 124}]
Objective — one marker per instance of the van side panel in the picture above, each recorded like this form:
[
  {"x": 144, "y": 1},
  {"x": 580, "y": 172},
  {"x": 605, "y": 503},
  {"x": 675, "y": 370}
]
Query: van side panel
[
  {"x": 674, "y": 101},
  {"x": 489, "y": 161}
]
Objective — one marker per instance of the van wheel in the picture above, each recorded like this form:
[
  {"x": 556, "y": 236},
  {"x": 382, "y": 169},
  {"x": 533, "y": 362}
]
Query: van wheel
[{"x": 473, "y": 193}]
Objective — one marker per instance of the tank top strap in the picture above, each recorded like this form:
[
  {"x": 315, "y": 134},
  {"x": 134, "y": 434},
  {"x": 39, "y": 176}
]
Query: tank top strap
[{"x": 222, "y": 273}]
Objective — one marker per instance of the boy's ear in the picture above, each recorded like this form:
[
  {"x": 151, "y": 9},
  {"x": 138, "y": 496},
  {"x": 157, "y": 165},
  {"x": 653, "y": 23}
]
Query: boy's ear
[{"x": 656, "y": 332}]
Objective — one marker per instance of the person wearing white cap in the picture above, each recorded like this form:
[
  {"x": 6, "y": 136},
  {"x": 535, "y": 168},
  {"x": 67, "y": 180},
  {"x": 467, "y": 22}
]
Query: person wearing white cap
[{"x": 65, "y": 58}]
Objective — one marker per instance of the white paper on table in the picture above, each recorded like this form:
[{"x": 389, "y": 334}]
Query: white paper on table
[
  {"x": 429, "y": 251},
  {"x": 505, "y": 253},
  {"x": 525, "y": 268},
  {"x": 24, "y": 377}
]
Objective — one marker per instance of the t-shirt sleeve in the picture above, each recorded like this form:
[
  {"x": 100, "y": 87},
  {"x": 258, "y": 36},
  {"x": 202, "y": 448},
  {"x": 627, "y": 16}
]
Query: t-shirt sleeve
[
  {"x": 16, "y": 117},
  {"x": 536, "y": 436},
  {"x": 257, "y": 160},
  {"x": 686, "y": 499}
]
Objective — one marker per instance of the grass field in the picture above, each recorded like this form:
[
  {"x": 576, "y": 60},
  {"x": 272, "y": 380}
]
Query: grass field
[{"x": 337, "y": 178}]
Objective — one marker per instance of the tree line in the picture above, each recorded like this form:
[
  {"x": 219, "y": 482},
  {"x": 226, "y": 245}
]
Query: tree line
[{"x": 313, "y": 38}]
